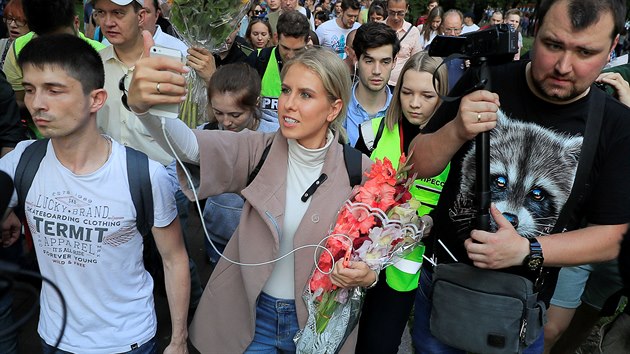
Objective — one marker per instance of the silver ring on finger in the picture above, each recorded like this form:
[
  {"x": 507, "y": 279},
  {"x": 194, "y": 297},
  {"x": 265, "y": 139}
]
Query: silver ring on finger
[
  {"x": 157, "y": 87},
  {"x": 478, "y": 117}
]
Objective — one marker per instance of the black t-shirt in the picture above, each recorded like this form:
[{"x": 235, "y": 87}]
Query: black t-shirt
[
  {"x": 534, "y": 155},
  {"x": 235, "y": 55}
]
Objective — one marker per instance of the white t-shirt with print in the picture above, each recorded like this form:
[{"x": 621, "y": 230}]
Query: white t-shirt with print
[
  {"x": 332, "y": 36},
  {"x": 86, "y": 240}
]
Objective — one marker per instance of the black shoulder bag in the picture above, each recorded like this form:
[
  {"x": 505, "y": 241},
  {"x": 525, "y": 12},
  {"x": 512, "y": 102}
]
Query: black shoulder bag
[{"x": 486, "y": 311}]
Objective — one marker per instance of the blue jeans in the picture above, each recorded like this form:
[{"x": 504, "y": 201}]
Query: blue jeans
[
  {"x": 423, "y": 341},
  {"x": 149, "y": 347},
  {"x": 276, "y": 325}
]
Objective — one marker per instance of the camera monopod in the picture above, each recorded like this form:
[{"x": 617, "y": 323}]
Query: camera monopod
[{"x": 495, "y": 45}]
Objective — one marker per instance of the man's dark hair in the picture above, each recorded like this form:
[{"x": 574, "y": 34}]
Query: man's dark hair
[
  {"x": 350, "y": 4},
  {"x": 312, "y": 35},
  {"x": 47, "y": 16},
  {"x": 584, "y": 13},
  {"x": 378, "y": 7},
  {"x": 293, "y": 24},
  {"x": 70, "y": 53},
  {"x": 374, "y": 35},
  {"x": 322, "y": 15}
]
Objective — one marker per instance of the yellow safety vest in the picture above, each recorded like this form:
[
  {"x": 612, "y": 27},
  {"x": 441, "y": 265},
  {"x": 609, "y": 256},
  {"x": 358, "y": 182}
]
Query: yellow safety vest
[
  {"x": 404, "y": 275},
  {"x": 271, "y": 84}
]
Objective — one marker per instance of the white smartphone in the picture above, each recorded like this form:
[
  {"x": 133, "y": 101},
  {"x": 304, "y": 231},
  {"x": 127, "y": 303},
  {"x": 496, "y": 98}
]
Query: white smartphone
[{"x": 166, "y": 110}]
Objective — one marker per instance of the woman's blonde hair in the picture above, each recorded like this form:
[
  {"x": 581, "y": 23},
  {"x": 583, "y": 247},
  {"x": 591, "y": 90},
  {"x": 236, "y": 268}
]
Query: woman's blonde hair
[
  {"x": 420, "y": 62},
  {"x": 334, "y": 75}
]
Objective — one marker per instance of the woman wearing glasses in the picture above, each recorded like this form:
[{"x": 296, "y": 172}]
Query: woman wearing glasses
[
  {"x": 259, "y": 12},
  {"x": 16, "y": 24},
  {"x": 407, "y": 33}
]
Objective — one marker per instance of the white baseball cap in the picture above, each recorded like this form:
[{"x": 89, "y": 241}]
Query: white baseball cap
[{"x": 125, "y": 2}]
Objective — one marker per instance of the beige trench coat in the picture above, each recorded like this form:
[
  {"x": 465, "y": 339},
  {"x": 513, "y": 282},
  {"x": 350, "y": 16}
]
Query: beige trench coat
[{"x": 224, "y": 321}]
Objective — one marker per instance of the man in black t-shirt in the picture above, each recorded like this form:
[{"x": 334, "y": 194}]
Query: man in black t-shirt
[{"x": 535, "y": 148}]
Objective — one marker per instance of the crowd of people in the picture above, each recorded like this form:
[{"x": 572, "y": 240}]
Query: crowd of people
[{"x": 103, "y": 204}]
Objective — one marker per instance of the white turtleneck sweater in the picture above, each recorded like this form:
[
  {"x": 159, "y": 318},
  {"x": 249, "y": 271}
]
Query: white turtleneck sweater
[{"x": 305, "y": 167}]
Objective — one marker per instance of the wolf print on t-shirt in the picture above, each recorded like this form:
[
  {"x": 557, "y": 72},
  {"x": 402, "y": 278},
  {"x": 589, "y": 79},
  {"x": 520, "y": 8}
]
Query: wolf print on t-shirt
[{"x": 532, "y": 169}]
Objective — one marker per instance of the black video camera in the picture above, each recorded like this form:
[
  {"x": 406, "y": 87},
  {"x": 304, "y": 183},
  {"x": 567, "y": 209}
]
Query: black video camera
[{"x": 497, "y": 44}]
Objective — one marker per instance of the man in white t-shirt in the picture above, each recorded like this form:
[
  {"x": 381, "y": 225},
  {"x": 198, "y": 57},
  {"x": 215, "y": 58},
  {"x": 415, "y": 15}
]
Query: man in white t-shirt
[
  {"x": 332, "y": 34},
  {"x": 81, "y": 215}
]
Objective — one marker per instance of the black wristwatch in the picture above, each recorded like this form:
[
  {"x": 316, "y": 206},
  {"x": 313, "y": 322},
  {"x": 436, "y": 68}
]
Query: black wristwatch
[{"x": 534, "y": 260}]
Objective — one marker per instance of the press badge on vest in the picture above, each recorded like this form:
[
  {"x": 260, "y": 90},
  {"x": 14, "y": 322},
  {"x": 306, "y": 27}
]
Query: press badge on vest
[{"x": 269, "y": 103}]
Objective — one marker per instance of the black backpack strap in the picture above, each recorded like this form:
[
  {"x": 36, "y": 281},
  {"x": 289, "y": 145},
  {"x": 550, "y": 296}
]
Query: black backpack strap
[
  {"x": 379, "y": 133},
  {"x": 371, "y": 139},
  {"x": 595, "y": 117},
  {"x": 259, "y": 165},
  {"x": 353, "y": 159},
  {"x": 140, "y": 188},
  {"x": 26, "y": 170}
]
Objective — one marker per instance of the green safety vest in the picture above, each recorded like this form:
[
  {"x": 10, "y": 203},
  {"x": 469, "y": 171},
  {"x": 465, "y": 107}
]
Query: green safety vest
[
  {"x": 403, "y": 275},
  {"x": 426, "y": 190},
  {"x": 271, "y": 84},
  {"x": 22, "y": 41}
]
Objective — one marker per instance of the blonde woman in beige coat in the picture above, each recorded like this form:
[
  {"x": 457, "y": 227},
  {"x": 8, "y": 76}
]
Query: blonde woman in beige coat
[{"x": 259, "y": 308}]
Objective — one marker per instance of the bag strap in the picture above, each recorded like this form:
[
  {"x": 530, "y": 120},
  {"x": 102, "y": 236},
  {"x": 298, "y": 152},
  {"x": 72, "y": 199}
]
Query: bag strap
[
  {"x": 259, "y": 165},
  {"x": 592, "y": 131},
  {"x": 140, "y": 188},
  {"x": 597, "y": 103},
  {"x": 26, "y": 170},
  {"x": 405, "y": 35},
  {"x": 352, "y": 157},
  {"x": 367, "y": 132}
]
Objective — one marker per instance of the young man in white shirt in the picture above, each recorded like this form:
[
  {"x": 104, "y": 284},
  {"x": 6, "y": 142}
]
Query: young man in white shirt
[
  {"x": 333, "y": 33},
  {"x": 86, "y": 237}
]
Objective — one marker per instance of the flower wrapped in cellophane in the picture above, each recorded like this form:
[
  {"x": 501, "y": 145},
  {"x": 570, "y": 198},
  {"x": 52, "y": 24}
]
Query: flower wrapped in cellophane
[
  {"x": 378, "y": 225},
  {"x": 207, "y": 24}
]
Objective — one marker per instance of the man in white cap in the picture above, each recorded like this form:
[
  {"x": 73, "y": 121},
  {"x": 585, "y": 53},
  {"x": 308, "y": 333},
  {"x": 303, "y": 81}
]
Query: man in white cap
[{"x": 121, "y": 22}]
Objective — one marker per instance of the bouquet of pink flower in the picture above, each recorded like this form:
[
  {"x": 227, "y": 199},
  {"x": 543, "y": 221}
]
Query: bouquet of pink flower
[{"x": 378, "y": 225}]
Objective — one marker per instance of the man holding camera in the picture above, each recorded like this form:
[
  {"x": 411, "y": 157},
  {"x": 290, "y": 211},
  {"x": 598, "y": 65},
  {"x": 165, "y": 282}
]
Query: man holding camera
[{"x": 547, "y": 98}]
